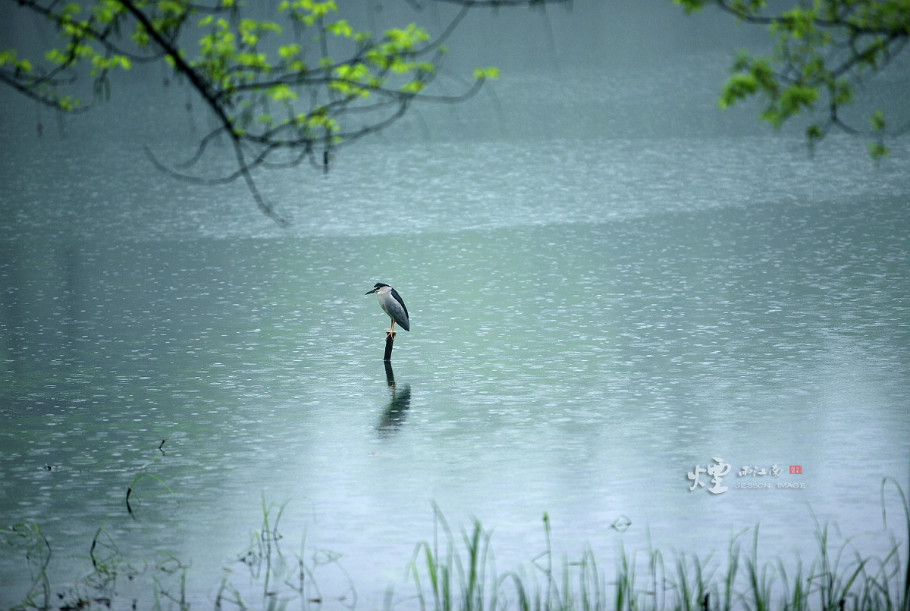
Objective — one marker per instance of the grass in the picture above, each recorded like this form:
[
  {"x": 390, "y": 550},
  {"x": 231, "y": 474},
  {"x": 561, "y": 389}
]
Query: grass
[
  {"x": 840, "y": 578},
  {"x": 457, "y": 572}
]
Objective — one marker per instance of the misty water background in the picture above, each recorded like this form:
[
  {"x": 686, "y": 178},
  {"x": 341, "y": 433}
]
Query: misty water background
[{"x": 610, "y": 283}]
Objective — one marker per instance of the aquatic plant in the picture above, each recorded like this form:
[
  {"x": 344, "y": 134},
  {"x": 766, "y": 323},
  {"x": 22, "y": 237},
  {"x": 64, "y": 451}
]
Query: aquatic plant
[
  {"x": 839, "y": 578},
  {"x": 458, "y": 573}
]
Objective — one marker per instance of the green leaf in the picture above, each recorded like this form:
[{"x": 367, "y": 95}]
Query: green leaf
[
  {"x": 140, "y": 36},
  {"x": 690, "y": 6},
  {"x": 288, "y": 51},
  {"x": 172, "y": 7},
  {"x": 486, "y": 73},
  {"x": 877, "y": 120},
  {"x": 843, "y": 92},
  {"x": 405, "y": 39},
  {"x": 737, "y": 87},
  {"x": 67, "y": 103},
  {"x": 799, "y": 22},
  {"x": 797, "y": 97},
  {"x": 413, "y": 87},
  {"x": 281, "y": 92},
  {"x": 814, "y": 132},
  {"x": 8, "y": 56},
  {"x": 877, "y": 150},
  {"x": 340, "y": 28}
]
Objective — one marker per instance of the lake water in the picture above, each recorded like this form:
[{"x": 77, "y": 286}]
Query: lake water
[{"x": 593, "y": 317}]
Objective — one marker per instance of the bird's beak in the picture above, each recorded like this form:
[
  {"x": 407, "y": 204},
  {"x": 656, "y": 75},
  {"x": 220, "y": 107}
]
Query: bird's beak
[{"x": 368, "y": 292}]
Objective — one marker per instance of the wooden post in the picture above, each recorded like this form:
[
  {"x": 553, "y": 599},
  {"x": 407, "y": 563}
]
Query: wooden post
[
  {"x": 389, "y": 341},
  {"x": 389, "y": 375}
]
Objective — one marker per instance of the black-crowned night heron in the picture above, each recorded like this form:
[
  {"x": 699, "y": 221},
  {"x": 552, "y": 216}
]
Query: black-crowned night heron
[{"x": 393, "y": 305}]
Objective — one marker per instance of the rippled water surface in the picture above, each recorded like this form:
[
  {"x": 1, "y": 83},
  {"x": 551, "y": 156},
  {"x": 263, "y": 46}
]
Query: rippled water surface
[{"x": 591, "y": 319}]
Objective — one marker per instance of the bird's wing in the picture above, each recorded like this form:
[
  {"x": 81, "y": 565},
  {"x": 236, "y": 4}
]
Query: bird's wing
[{"x": 398, "y": 298}]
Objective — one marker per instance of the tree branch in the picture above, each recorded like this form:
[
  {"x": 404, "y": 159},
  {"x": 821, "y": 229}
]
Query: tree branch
[{"x": 377, "y": 81}]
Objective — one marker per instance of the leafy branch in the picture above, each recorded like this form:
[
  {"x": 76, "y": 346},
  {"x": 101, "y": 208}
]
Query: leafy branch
[
  {"x": 823, "y": 50},
  {"x": 287, "y": 89}
]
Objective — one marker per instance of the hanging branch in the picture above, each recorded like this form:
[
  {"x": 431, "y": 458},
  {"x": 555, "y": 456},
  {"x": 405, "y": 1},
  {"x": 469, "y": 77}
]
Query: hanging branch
[
  {"x": 328, "y": 94},
  {"x": 823, "y": 52}
]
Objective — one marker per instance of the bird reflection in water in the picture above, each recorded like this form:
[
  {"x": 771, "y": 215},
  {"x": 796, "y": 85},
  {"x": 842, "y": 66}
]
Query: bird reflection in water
[{"x": 394, "y": 414}]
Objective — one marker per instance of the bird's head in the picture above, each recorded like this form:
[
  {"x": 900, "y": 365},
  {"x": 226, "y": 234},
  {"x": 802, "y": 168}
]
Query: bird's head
[{"x": 376, "y": 287}]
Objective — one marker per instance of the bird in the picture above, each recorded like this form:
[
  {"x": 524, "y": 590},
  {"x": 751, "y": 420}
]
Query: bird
[{"x": 393, "y": 305}]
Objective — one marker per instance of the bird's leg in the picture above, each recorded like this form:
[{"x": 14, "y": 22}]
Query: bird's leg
[{"x": 391, "y": 331}]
